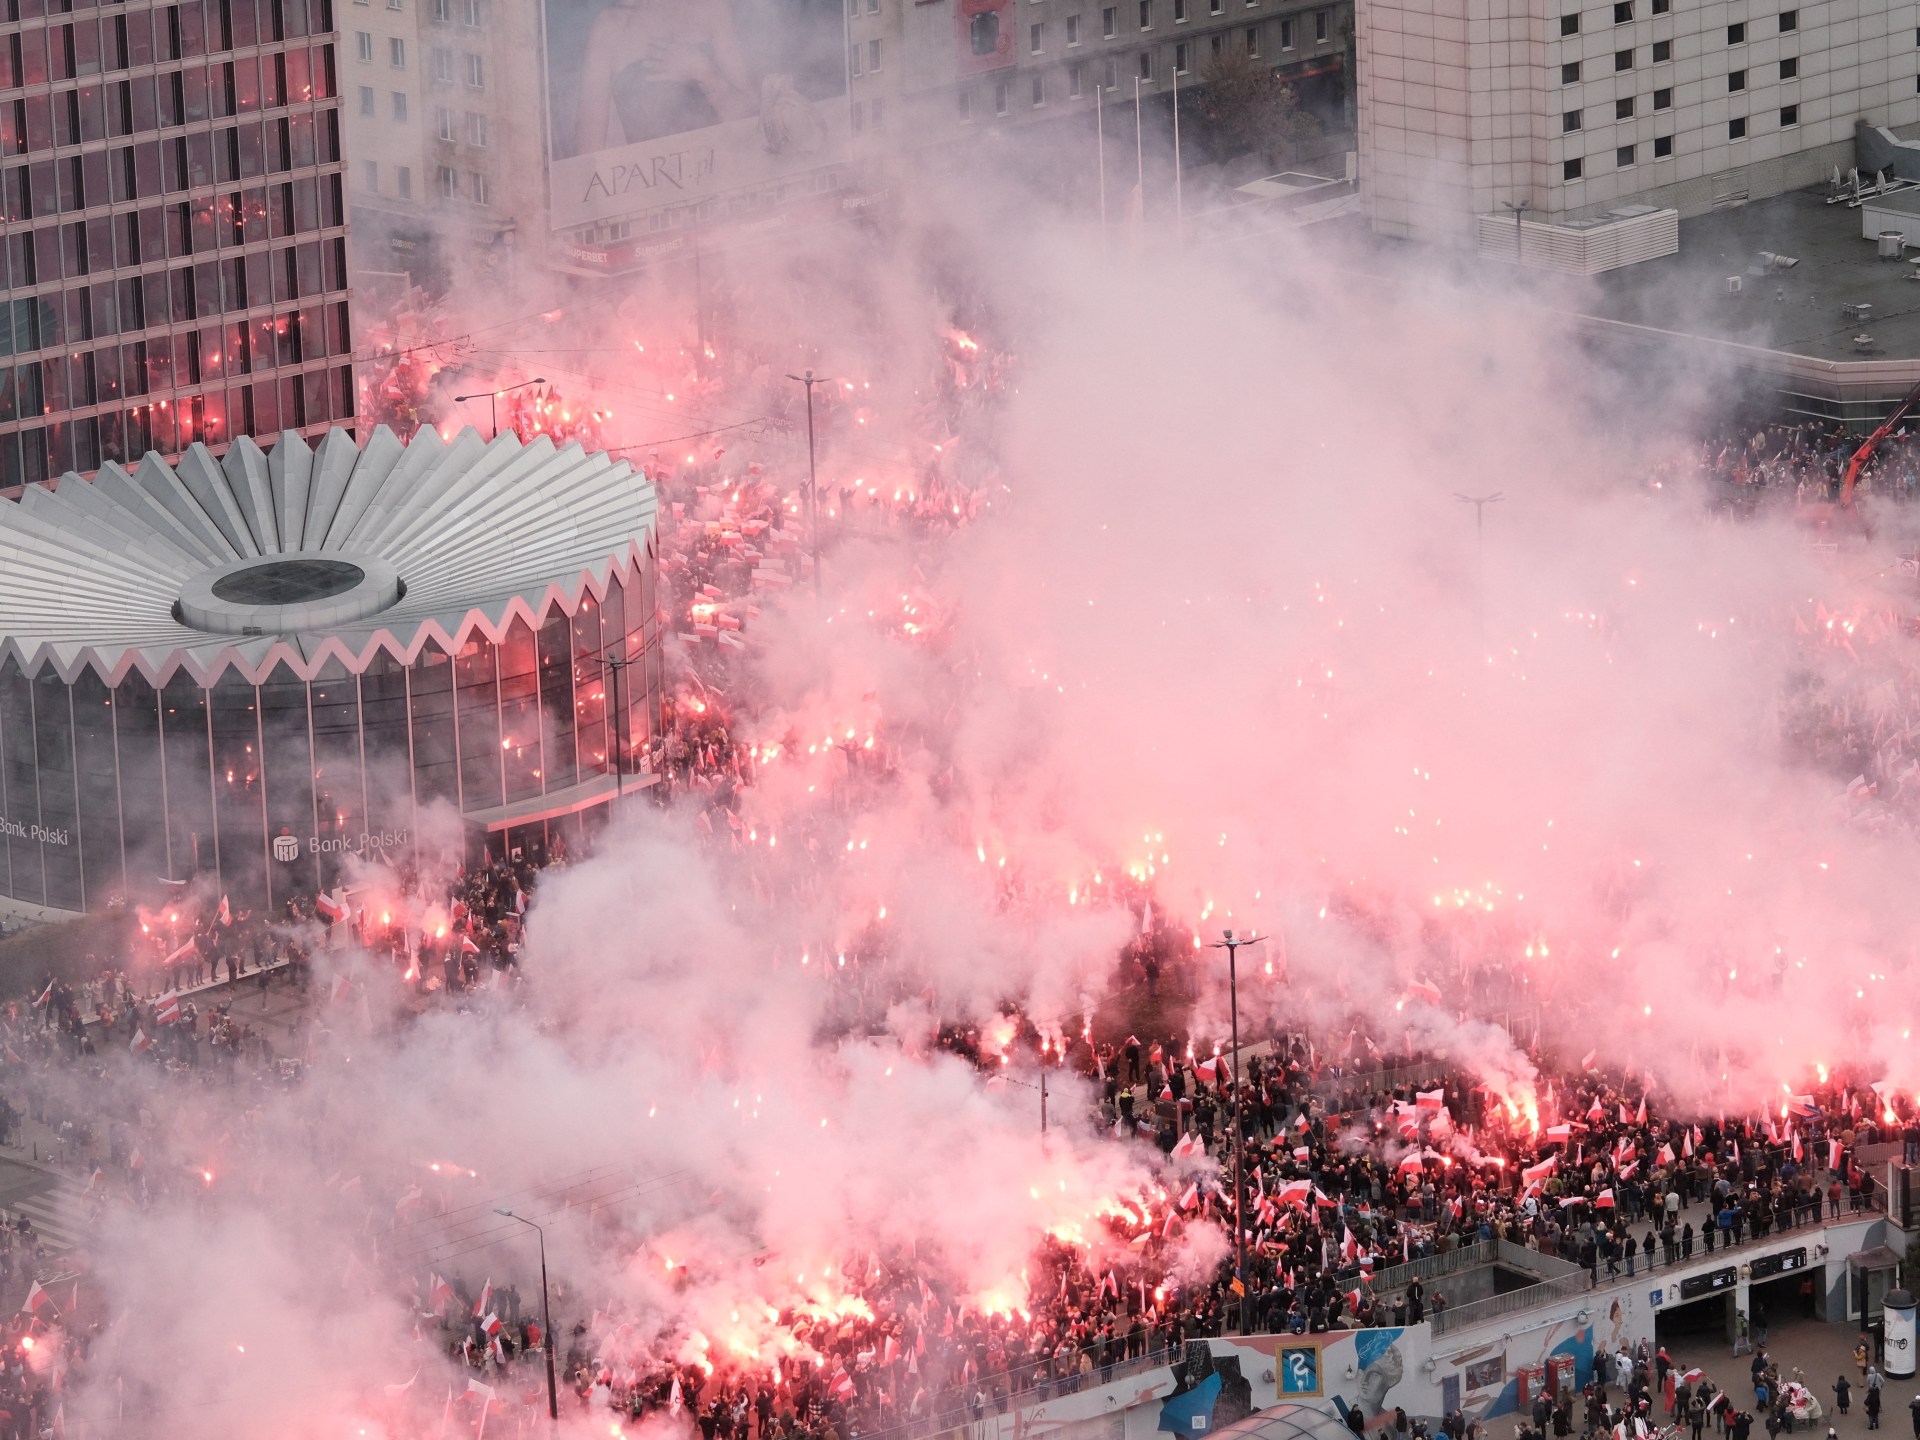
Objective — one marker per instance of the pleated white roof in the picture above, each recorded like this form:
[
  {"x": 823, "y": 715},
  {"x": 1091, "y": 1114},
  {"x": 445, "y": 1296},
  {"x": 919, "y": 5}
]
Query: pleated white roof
[{"x": 480, "y": 532}]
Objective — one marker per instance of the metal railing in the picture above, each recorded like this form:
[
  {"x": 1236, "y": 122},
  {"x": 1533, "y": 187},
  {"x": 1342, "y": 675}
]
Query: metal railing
[
  {"x": 1478, "y": 1312},
  {"x": 1397, "y": 1277}
]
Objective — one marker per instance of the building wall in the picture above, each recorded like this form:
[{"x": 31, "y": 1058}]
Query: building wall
[
  {"x": 1466, "y": 105},
  {"x": 176, "y": 238}
]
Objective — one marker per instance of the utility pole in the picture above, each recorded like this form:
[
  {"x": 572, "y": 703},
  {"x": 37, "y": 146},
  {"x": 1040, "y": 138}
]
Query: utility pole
[
  {"x": 546, "y": 1314},
  {"x": 1479, "y": 504},
  {"x": 619, "y": 729},
  {"x": 1228, "y": 943},
  {"x": 813, "y": 480}
]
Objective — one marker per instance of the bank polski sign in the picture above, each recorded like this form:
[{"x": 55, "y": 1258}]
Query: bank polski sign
[
  {"x": 287, "y": 847},
  {"x": 21, "y": 830}
]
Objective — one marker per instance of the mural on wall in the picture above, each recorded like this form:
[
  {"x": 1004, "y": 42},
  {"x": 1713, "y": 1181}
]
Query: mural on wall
[{"x": 1209, "y": 1391}]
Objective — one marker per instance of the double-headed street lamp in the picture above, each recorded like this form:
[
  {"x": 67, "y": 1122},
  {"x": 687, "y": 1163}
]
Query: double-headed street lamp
[
  {"x": 1228, "y": 943},
  {"x": 813, "y": 482},
  {"x": 546, "y": 1312},
  {"x": 493, "y": 398}
]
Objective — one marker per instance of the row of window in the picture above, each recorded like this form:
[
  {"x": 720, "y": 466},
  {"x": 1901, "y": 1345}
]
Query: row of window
[
  {"x": 1110, "y": 71},
  {"x": 1662, "y": 147},
  {"x": 148, "y": 103},
  {"x": 173, "y": 231},
  {"x": 1037, "y": 31},
  {"x": 443, "y": 118},
  {"x": 174, "y": 32},
  {"x": 149, "y": 169},
  {"x": 472, "y": 13},
  {"x": 264, "y": 407},
  {"x": 166, "y": 363},
  {"x": 447, "y": 183},
  {"x": 874, "y": 54},
  {"x": 85, "y": 314},
  {"x": 473, "y": 68},
  {"x": 1623, "y": 14},
  {"x": 1623, "y": 108}
]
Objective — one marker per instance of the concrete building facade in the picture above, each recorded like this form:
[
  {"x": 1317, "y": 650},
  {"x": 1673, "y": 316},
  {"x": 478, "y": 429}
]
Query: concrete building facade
[{"x": 1571, "y": 109}]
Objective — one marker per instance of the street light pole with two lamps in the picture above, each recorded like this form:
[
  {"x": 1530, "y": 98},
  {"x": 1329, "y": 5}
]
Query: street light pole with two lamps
[
  {"x": 1228, "y": 943},
  {"x": 493, "y": 399},
  {"x": 546, "y": 1312}
]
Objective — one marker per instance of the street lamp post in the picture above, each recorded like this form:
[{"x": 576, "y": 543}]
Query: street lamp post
[
  {"x": 813, "y": 480},
  {"x": 493, "y": 399},
  {"x": 1479, "y": 504},
  {"x": 546, "y": 1313},
  {"x": 618, "y": 667},
  {"x": 1231, "y": 945},
  {"x": 1519, "y": 208}
]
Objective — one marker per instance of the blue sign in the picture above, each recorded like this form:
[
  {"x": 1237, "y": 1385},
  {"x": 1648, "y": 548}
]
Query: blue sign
[
  {"x": 1300, "y": 1371},
  {"x": 1654, "y": 1297}
]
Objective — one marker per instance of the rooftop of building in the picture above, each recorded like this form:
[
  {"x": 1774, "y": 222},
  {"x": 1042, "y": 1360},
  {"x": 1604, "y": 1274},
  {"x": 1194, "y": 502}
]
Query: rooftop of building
[{"x": 1807, "y": 308}]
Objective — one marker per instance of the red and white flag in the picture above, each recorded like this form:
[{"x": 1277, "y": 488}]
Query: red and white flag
[
  {"x": 330, "y": 906},
  {"x": 166, "y": 1010},
  {"x": 37, "y": 1300},
  {"x": 46, "y": 994},
  {"x": 140, "y": 1041},
  {"x": 439, "y": 1292},
  {"x": 1422, "y": 990},
  {"x": 1604, "y": 1201},
  {"x": 1209, "y": 1070},
  {"x": 491, "y": 1324},
  {"x": 183, "y": 952},
  {"x": 1641, "y": 1117},
  {"x": 467, "y": 947},
  {"x": 1833, "y": 1154},
  {"x": 225, "y": 913},
  {"x": 1430, "y": 1099},
  {"x": 1586, "y": 1061},
  {"x": 486, "y": 1295},
  {"x": 842, "y": 1386},
  {"x": 1541, "y": 1171}
]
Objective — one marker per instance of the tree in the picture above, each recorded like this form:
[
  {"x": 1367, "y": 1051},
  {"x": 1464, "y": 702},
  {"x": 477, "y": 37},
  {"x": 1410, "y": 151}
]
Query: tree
[{"x": 1250, "y": 110}]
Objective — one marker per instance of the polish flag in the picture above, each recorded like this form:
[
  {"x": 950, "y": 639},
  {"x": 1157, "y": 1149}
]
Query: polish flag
[
  {"x": 140, "y": 1041},
  {"x": 439, "y": 1292},
  {"x": 1833, "y": 1154},
  {"x": 1665, "y": 1157},
  {"x": 1302, "y": 1153},
  {"x": 1191, "y": 1198},
  {"x": 491, "y": 1324},
  {"x": 1641, "y": 1117},
  {"x": 1535, "y": 1173},
  {"x": 485, "y": 1392},
  {"x": 1686, "y": 1145},
  {"x": 1422, "y": 990},
  {"x": 1799, "y": 1152},
  {"x": 1349, "y": 1247},
  {"x": 1209, "y": 1070},
  {"x": 1430, "y": 1099},
  {"x": 330, "y": 907},
  {"x": 1604, "y": 1201},
  {"x": 166, "y": 1010},
  {"x": 47, "y": 994},
  {"x": 183, "y": 952},
  {"x": 1294, "y": 1192},
  {"x": 467, "y": 947},
  {"x": 1586, "y": 1062},
  {"x": 1563, "y": 1133},
  {"x": 842, "y": 1386},
  {"x": 486, "y": 1294},
  {"x": 37, "y": 1300},
  {"x": 225, "y": 913}
]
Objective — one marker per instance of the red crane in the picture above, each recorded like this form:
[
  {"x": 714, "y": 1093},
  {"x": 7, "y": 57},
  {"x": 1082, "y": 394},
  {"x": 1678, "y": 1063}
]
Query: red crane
[{"x": 1860, "y": 456}]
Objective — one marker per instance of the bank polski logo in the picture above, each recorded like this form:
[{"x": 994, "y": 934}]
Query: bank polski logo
[{"x": 286, "y": 848}]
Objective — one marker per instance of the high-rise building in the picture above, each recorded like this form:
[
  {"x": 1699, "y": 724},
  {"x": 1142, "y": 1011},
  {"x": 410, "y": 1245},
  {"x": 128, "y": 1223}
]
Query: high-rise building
[
  {"x": 441, "y": 107},
  {"x": 175, "y": 249},
  {"x": 1470, "y": 108}
]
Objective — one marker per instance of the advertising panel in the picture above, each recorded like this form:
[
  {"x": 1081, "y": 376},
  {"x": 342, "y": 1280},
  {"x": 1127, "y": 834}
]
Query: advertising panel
[{"x": 658, "y": 103}]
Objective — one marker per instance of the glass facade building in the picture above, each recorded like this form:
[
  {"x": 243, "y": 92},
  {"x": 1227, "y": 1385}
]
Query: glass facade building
[
  {"x": 264, "y": 751},
  {"x": 174, "y": 256}
]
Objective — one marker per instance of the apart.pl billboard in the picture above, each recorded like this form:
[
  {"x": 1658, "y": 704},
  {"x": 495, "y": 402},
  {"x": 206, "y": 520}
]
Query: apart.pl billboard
[{"x": 663, "y": 103}]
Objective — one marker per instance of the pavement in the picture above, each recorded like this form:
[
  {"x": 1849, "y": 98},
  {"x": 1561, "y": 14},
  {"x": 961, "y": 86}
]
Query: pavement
[{"x": 1819, "y": 1352}]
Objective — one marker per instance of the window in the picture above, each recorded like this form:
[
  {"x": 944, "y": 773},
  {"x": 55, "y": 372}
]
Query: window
[
  {"x": 366, "y": 100},
  {"x": 853, "y": 59},
  {"x": 1111, "y": 72},
  {"x": 1146, "y": 14},
  {"x": 1661, "y": 7},
  {"x": 1569, "y": 121},
  {"x": 443, "y": 122},
  {"x": 1623, "y": 157},
  {"x": 966, "y": 107},
  {"x": 1073, "y": 30},
  {"x": 1077, "y": 80},
  {"x": 443, "y": 11},
  {"x": 1663, "y": 99},
  {"x": 481, "y": 192},
  {"x": 1662, "y": 147},
  {"x": 397, "y": 53},
  {"x": 1286, "y": 34},
  {"x": 476, "y": 130},
  {"x": 477, "y": 70},
  {"x": 1570, "y": 73},
  {"x": 395, "y": 4},
  {"x": 1736, "y": 80},
  {"x": 1789, "y": 115},
  {"x": 1790, "y": 67},
  {"x": 1216, "y": 46},
  {"x": 1570, "y": 170},
  {"x": 1789, "y": 20},
  {"x": 1253, "y": 41},
  {"x": 1321, "y": 21},
  {"x": 1000, "y": 98},
  {"x": 1180, "y": 58},
  {"x": 400, "y": 106},
  {"x": 1179, "y": 12},
  {"x": 371, "y": 174},
  {"x": 1623, "y": 109},
  {"x": 1623, "y": 12},
  {"x": 1623, "y": 60},
  {"x": 449, "y": 183},
  {"x": 363, "y": 44},
  {"x": 1737, "y": 129},
  {"x": 1569, "y": 24},
  {"x": 1215, "y": 7},
  {"x": 1662, "y": 51},
  {"x": 474, "y": 13},
  {"x": 1110, "y": 22},
  {"x": 1736, "y": 34},
  {"x": 1146, "y": 65},
  {"x": 1039, "y": 90},
  {"x": 1036, "y": 37},
  {"x": 404, "y": 178},
  {"x": 443, "y": 66}
]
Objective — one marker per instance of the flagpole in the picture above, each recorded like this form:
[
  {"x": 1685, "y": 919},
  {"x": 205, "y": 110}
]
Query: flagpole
[
  {"x": 1100, "y": 150},
  {"x": 1139, "y": 154},
  {"x": 1179, "y": 207}
]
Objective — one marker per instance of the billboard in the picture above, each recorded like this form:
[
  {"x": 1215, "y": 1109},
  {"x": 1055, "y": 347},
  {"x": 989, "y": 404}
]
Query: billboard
[{"x": 660, "y": 103}]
